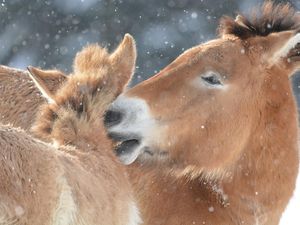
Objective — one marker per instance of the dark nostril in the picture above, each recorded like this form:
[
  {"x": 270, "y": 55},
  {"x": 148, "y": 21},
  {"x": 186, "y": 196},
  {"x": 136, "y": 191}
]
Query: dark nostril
[{"x": 112, "y": 118}]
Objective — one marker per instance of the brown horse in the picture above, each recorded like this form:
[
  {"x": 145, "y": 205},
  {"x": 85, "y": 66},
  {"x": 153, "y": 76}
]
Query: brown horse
[
  {"x": 19, "y": 98},
  {"x": 79, "y": 181},
  {"x": 222, "y": 150},
  {"x": 215, "y": 132}
]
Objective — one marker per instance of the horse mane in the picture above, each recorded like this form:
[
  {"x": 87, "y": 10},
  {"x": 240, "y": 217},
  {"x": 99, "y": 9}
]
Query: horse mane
[
  {"x": 87, "y": 88},
  {"x": 264, "y": 20}
]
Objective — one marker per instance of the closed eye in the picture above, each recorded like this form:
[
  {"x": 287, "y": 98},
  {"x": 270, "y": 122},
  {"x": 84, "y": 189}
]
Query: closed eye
[{"x": 211, "y": 79}]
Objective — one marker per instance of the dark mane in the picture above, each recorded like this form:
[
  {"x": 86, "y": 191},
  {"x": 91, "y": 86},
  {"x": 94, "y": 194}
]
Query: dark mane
[{"x": 269, "y": 18}]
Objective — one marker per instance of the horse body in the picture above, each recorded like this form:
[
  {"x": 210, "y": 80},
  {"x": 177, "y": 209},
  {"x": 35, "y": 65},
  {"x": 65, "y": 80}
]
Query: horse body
[
  {"x": 77, "y": 179},
  {"x": 17, "y": 89},
  {"x": 217, "y": 129},
  {"x": 11, "y": 95},
  {"x": 41, "y": 184}
]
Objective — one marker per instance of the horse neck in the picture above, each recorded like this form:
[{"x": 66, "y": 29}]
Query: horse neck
[
  {"x": 93, "y": 139},
  {"x": 264, "y": 176}
]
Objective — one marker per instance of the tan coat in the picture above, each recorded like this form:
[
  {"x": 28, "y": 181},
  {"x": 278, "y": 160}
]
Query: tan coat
[
  {"x": 20, "y": 99},
  {"x": 78, "y": 180},
  {"x": 43, "y": 184}
]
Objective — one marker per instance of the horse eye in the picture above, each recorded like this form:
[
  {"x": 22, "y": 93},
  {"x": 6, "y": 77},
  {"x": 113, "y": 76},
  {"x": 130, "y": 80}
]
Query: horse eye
[{"x": 212, "y": 79}]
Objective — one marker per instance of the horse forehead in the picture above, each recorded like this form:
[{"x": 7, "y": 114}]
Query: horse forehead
[
  {"x": 216, "y": 46},
  {"x": 216, "y": 51}
]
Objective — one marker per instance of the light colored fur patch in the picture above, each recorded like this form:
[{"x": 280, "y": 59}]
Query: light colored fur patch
[
  {"x": 6, "y": 216},
  {"x": 137, "y": 122},
  {"x": 44, "y": 93},
  {"x": 65, "y": 213},
  {"x": 291, "y": 43},
  {"x": 134, "y": 214}
]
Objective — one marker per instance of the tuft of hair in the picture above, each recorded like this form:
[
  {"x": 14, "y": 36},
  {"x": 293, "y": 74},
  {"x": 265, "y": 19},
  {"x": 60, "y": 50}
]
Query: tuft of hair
[
  {"x": 264, "y": 20},
  {"x": 82, "y": 100},
  {"x": 91, "y": 60}
]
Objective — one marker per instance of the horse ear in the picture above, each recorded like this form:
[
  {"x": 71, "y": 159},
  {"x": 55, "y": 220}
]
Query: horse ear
[
  {"x": 240, "y": 20},
  {"x": 123, "y": 62},
  {"x": 285, "y": 48},
  {"x": 47, "y": 81}
]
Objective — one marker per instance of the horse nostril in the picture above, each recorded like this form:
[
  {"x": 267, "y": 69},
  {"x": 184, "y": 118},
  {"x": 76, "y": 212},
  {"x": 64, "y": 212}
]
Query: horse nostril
[{"x": 112, "y": 118}]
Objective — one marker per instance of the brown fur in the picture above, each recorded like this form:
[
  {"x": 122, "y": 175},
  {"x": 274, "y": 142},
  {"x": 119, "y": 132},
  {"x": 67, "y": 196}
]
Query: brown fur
[
  {"x": 79, "y": 182},
  {"x": 250, "y": 175},
  {"x": 270, "y": 18},
  {"x": 34, "y": 176},
  {"x": 19, "y": 98},
  {"x": 230, "y": 153},
  {"x": 96, "y": 73}
]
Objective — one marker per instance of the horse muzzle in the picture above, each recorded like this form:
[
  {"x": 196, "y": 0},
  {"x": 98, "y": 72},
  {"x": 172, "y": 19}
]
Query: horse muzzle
[{"x": 129, "y": 124}]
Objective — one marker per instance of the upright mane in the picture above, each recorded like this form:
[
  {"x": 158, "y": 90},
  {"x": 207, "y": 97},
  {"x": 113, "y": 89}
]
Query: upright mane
[
  {"x": 264, "y": 20},
  {"x": 79, "y": 104},
  {"x": 82, "y": 92}
]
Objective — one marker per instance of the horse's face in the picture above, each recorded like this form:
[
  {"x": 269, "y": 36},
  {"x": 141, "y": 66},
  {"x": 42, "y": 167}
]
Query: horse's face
[
  {"x": 196, "y": 109},
  {"x": 199, "y": 111}
]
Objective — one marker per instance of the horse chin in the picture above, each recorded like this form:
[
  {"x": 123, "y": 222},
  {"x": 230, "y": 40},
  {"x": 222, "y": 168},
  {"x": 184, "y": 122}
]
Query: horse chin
[{"x": 151, "y": 155}]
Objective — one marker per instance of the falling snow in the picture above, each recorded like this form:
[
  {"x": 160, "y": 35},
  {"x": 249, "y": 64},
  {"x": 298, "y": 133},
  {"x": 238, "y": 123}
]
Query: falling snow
[
  {"x": 49, "y": 33},
  {"x": 211, "y": 209}
]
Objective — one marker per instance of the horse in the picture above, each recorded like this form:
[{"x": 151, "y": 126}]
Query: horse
[
  {"x": 212, "y": 138},
  {"x": 218, "y": 164},
  {"x": 74, "y": 177},
  {"x": 17, "y": 89}
]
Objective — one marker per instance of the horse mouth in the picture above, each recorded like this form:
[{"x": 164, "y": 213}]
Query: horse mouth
[
  {"x": 154, "y": 153},
  {"x": 126, "y": 147}
]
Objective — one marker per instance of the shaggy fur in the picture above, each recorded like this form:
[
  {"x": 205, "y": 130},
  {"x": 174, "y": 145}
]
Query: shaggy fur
[
  {"x": 270, "y": 18},
  {"x": 90, "y": 88},
  {"x": 78, "y": 182},
  {"x": 42, "y": 184},
  {"x": 19, "y": 98}
]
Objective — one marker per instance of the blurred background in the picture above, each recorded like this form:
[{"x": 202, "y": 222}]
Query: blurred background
[{"x": 48, "y": 33}]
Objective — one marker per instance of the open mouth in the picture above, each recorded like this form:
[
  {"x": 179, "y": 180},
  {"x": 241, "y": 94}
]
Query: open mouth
[{"x": 126, "y": 147}]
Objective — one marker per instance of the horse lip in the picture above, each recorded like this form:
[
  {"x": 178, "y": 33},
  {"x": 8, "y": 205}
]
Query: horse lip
[
  {"x": 128, "y": 151},
  {"x": 147, "y": 151},
  {"x": 126, "y": 147},
  {"x": 119, "y": 137},
  {"x": 150, "y": 152}
]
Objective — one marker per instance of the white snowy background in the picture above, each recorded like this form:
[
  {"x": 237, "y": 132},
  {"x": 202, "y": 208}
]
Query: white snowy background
[
  {"x": 292, "y": 214},
  {"x": 48, "y": 33}
]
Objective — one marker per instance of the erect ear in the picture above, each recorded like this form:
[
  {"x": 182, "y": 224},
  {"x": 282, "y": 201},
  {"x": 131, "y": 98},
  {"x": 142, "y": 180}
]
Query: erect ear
[
  {"x": 47, "y": 81},
  {"x": 285, "y": 50},
  {"x": 123, "y": 62}
]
